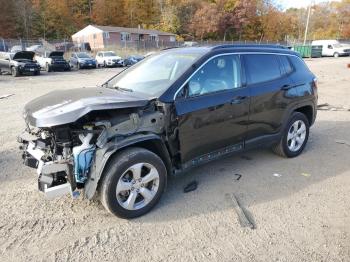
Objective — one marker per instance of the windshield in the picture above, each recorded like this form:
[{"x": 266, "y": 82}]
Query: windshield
[
  {"x": 83, "y": 55},
  {"x": 153, "y": 75},
  {"x": 109, "y": 54}
]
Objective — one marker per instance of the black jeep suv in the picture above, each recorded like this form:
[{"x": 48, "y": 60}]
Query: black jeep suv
[{"x": 170, "y": 112}]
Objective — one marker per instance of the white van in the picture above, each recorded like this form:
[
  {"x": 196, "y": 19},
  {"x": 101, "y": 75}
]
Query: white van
[{"x": 332, "y": 48}]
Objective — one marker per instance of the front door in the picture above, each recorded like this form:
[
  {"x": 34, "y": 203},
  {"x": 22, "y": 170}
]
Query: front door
[{"x": 213, "y": 108}]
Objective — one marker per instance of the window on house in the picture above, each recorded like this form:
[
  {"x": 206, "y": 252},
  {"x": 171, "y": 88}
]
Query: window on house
[
  {"x": 106, "y": 35},
  {"x": 153, "y": 37},
  {"x": 125, "y": 36},
  {"x": 94, "y": 36}
]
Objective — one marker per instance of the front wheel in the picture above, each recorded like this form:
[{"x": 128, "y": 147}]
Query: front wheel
[
  {"x": 336, "y": 55},
  {"x": 295, "y": 136},
  {"x": 133, "y": 183},
  {"x": 14, "y": 71}
]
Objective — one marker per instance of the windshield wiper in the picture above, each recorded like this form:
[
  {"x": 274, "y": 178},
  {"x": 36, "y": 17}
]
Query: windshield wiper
[
  {"x": 105, "y": 84},
  {"x": 123, "y": 89}
]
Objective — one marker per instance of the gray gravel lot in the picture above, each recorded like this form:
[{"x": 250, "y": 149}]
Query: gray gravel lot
[{"x": 301, "y": 215}]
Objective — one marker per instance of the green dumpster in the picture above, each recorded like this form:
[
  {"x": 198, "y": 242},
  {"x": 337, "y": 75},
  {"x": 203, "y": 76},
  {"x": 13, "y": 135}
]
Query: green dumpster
[
  {"x": 316, "y": 51},
  {"x": 308, "y": 50},
  {"x": 303, "y": 50}
]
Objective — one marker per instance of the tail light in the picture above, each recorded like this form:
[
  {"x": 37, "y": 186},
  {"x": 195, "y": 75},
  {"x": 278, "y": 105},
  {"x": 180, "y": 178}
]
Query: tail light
[{"x": 314, "y": 83}]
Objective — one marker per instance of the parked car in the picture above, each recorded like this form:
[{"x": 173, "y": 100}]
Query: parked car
[
  {"x": 19, "y": 63},
  {"x": 35, "y": 48},
  {"x": 109, "y": 58},
  {"x": 133, "y": 59},
  {"x": 16, "y": 48},
  {"x": 332, "y": 48},
  {"x": 53, "y": 61},
  {"x": 82, "y": 60},
  {"x": 170, "y": 112}
]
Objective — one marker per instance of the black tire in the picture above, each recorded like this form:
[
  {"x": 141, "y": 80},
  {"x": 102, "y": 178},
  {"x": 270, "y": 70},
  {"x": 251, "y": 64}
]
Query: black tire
[
  {"x": 117, "y": 166},
  {"x": 104, "y": 64},
  {"x": 282, "y": 148},
  {"x": 14, "y": 72},
  {"x": 36, "y": 73},
  {"x": 78, "y": 66}
]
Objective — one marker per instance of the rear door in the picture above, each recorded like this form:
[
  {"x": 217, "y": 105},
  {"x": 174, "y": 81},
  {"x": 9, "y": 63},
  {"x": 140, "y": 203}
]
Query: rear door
[
  {"x": 212, "y": 109},
  {"x": 272, "y": 92}
]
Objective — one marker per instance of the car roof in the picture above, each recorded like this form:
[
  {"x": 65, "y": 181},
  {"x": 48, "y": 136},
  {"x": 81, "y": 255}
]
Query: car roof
[{"x": 237, "y": 48}]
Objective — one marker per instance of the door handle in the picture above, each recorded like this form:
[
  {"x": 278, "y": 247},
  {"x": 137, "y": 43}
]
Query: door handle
[
  {"x": 238, "y": 99},
  {"x": 286, "y": 87}
]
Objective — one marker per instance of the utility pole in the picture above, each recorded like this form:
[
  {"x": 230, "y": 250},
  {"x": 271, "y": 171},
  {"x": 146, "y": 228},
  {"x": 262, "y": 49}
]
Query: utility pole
[
  {"x": 307, "y": 22},
  {"x": 90, "y": 10}
]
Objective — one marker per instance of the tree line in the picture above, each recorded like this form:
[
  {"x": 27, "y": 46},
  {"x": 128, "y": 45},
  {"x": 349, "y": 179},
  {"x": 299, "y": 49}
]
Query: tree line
[{"x": 254, "y": 20}]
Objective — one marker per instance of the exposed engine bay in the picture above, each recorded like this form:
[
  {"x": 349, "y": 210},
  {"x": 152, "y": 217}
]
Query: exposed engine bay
[{"x": 72, "y": 156}]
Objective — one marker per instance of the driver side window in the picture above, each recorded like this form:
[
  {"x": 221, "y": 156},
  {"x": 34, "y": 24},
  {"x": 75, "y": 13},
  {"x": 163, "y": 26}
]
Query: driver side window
[{"x": 219, "y": 74}]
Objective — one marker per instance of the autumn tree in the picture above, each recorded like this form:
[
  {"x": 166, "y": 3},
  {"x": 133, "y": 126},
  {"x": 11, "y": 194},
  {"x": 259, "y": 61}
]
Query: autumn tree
[{"x": 8, "y": 21}]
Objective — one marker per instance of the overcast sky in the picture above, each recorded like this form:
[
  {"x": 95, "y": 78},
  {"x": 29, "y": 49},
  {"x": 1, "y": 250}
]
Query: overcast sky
[{"x": 297, "y": 3}]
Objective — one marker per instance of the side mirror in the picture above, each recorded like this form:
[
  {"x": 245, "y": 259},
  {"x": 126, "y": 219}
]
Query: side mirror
[{"x": 194, "y": 88}]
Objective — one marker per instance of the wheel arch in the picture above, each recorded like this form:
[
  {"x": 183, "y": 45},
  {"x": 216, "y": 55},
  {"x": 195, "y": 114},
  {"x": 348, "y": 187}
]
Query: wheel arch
[
  {"x": 151, "y": 142},
  {"x": 308, "y": 111}
]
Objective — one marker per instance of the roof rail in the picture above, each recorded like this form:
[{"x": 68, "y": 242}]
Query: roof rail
[{"x": 248, "y": 45}]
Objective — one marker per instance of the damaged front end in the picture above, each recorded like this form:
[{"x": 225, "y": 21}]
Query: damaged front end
[
  {"x": 62, "y": 157},
  {"x": 72, "y": 157}
]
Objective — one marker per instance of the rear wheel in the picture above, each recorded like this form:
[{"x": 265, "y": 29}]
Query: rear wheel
[
  {"x": 133, "y": 183},
  {"x": 295, "y": 136}
]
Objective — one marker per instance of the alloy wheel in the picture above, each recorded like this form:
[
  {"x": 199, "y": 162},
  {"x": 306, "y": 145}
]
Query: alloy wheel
[
  {"x": 137, "y": 186},
  {"x": 296, "y": 135}
]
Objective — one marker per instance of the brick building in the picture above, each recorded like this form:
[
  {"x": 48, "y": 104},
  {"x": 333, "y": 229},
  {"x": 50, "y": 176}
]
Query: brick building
[{"x": 100, "y": 37}]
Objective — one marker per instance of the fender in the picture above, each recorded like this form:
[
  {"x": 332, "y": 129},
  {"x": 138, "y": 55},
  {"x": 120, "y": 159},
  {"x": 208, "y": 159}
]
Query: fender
[
  {"x": 103, "y": 155},
  {"x": 297, "y": 106}
]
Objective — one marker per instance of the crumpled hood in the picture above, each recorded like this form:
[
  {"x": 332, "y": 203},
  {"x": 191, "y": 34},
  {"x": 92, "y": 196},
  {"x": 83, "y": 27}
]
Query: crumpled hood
[{"x": 67, "y": 106}]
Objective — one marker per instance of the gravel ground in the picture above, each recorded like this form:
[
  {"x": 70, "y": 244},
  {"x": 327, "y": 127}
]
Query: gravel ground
[{"x": 301, "y": 215}]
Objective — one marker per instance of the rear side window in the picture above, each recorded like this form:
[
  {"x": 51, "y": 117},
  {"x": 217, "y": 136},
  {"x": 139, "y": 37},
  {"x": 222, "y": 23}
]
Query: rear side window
[
  {"x": 262, "y": 68},
  {"x": 286, "y": 64},
  {"x": 299, "y": 64}
]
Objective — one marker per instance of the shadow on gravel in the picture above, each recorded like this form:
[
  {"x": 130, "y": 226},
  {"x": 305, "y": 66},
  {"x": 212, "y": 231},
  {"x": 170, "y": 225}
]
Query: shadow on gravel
[
  {"x": 11, "y": 167},
  {"x": 323, "y": 158}
]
